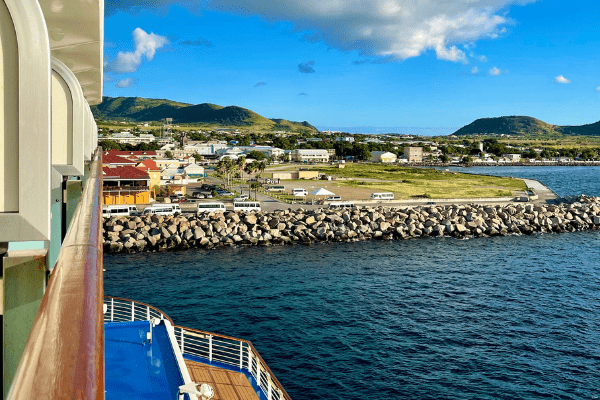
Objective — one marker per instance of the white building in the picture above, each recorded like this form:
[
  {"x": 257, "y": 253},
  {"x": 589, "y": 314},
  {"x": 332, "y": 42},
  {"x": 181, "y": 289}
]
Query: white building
[
  {"x": 383, "y": 157},
  {"x": 310, "y": 155}
]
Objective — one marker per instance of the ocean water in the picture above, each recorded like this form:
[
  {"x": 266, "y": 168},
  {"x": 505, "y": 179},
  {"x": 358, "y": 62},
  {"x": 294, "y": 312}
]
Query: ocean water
[{"x": 489, "y": 318}]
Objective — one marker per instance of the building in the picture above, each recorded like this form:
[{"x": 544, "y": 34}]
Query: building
[
  {"x": 194, "y": 171},
  {"x": 153, "y": 170},
  {"x": 310, "y": 155},
  {"x": 413, "y": 154},
  {"x": 125, "y": 185},
  {"x": 348, "y": 139},
  {"x": 383, "y": 157},
  {"x": 141, "y": 155},
  {"x": 512, "y": 157}
]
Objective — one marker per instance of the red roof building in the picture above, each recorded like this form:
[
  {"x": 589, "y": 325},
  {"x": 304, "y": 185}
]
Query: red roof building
[
  {"x": 113, "y": 159},
  {"x": 136, "y": 154}
]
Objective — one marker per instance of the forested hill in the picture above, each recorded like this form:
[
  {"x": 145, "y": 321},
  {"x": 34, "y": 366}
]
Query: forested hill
[
  {"x": 522, "y": 125},
  {"x": 140, "y": 109}
]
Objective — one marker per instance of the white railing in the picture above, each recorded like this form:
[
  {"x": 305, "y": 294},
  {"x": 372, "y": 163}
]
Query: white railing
[
  {"x": 122, "y": 310},
  {"x": 237, "y": 353}
]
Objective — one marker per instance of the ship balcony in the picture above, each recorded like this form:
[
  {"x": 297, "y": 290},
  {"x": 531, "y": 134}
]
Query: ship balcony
[{"x": 147, "y": 355}]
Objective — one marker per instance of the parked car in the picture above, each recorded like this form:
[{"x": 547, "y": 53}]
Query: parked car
[
  {"x": 198, "y": 195},
  {"x": 177, "y": 198},
  {"x": 334, "y": 198},
  {"x": 241, "y": 197}
]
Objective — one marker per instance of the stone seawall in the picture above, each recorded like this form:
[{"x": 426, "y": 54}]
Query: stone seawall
[{"x": 163, "y": 233}]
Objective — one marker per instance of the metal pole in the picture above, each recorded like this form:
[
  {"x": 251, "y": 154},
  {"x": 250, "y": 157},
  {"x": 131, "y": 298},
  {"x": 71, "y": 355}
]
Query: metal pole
[
  {"x": 269, "y": 386},
  {"x": 148, "y": 313},
  {"x": 112, "y": 309},
  {"x": 210, "y": 348},
  {"x": 181, "y": 340},
  {"x": 241, "y": 355},
  {"x": 132, "y": 311}
]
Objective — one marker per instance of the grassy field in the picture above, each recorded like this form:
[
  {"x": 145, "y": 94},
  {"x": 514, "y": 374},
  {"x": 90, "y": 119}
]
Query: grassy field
[{"x": 420, "y": 182}]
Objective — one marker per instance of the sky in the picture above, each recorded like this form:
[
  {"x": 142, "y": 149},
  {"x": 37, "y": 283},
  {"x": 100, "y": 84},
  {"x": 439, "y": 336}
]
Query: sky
[{"x": 404, "y": 66}]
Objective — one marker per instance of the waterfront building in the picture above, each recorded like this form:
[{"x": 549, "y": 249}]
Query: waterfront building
[
  {"x": 413, "y": 154},
  {"x": 125, "y": 185}
]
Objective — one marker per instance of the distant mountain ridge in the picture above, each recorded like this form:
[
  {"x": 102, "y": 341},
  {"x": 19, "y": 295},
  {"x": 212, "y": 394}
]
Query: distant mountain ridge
[
  {"x": 141, "y": 109},
  {"x": 523, "y": 125}
]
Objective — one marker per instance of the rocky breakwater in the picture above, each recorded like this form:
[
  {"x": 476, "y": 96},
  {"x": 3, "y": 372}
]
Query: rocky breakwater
[{"x": 162, "y": 233}]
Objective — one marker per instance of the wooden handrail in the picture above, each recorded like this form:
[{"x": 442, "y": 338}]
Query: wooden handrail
[{"x": 64, "y": 355}]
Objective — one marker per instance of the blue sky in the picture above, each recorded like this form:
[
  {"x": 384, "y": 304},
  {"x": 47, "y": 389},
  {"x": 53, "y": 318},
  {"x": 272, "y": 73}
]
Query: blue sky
[{"x": 356, "y": 64}]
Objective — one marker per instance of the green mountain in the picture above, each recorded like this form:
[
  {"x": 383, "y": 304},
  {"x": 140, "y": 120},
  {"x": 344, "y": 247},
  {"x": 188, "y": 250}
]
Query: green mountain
[
  {"x": 140, "y": 109},
  {"x": 521, "y": 125}
]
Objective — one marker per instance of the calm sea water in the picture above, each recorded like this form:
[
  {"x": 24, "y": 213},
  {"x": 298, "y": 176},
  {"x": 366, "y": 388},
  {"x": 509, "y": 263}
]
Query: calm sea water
[{"x": 492, "y": 318}]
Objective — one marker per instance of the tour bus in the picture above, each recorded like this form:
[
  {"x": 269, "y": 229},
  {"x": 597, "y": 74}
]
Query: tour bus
[
  {"x": 210, "y": 207},
  {"x": 382, "y": 196},
  {"x": 118, "y": 210},
  {"x": 246, "y": 206},
  {"x": 341, "y": 205},
  {"x": 299, "y": 192},
  {"x": 276, "y": 188}
]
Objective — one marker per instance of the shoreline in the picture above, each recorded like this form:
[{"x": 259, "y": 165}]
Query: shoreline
[{"x": 159, "y": 233}]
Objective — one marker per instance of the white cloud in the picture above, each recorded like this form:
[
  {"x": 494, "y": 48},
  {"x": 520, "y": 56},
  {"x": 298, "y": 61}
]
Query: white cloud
[
  {"x": 561, "y": 79},
  {"x": 494, "y": 71},
  {"x": 391, "y": 29},
  {"x": 474, "y": 71},
  {"x": 124, "y": 83},
  {"x": 145, "y": 44},
  {"x": 598, "y": 89},
  {"x": 483, "y": 59}
]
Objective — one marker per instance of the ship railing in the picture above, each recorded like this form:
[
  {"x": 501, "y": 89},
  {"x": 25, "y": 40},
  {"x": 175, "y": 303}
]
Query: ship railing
[
  {"x": 215, "y": 348},
  {"x": 118, "y": 309}
]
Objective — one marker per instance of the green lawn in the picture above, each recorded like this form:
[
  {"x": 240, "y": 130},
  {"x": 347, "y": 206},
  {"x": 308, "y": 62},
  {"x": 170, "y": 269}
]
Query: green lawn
[{"x": 422, "y": 182}]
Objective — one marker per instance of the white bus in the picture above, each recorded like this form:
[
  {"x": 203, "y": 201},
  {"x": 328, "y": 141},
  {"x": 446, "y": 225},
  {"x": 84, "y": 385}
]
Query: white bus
[
  {"x": 175, "y": 207},
  {"x": 246, "y": 206},
  {"x": 159, "y": 210},
  {"x": 341, "y": 205},
  {"x": 382, "y": 196},
  {"x": 276, "y": 188},
  {"x": 210, "y": 207},
  {"x": 119, "y": 210}
]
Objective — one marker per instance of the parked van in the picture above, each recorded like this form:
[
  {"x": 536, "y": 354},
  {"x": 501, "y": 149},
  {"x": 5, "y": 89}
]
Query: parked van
[
  {"x": 341, "y": 205},
  {"x": 299, "y": 192},
  {"x": 246, "y": 206},
  {"x": 210, "y": 207},
  {"x": 334, "y": 198},
  {"x": 382, "y": 196},
  {"x": 119, "y": 210}
]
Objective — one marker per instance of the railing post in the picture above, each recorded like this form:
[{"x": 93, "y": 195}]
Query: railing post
[
  {"x": 210, "y": 348},
  {"x": 148, "y": 313},
  {"x": 249, "y": 360},
  {"x": 181, "y": 340},
  {"x": 269, "y": 387},
  {"x": 241, "y": 355},
  {"x": 112, "y": 309},
  {"x": 258, "y": 372},
  {"x": 133, "y": 311}
]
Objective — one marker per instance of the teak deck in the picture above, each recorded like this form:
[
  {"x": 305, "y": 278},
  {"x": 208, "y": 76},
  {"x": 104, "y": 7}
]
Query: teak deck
[{"x": 228, "y": 385}]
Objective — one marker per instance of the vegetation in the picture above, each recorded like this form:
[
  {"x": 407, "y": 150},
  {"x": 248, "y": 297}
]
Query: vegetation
[
  {"x": 525, "y": 126},
  {"x": 424, "y": 182},
  {"x": 141, "y": 109}
]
